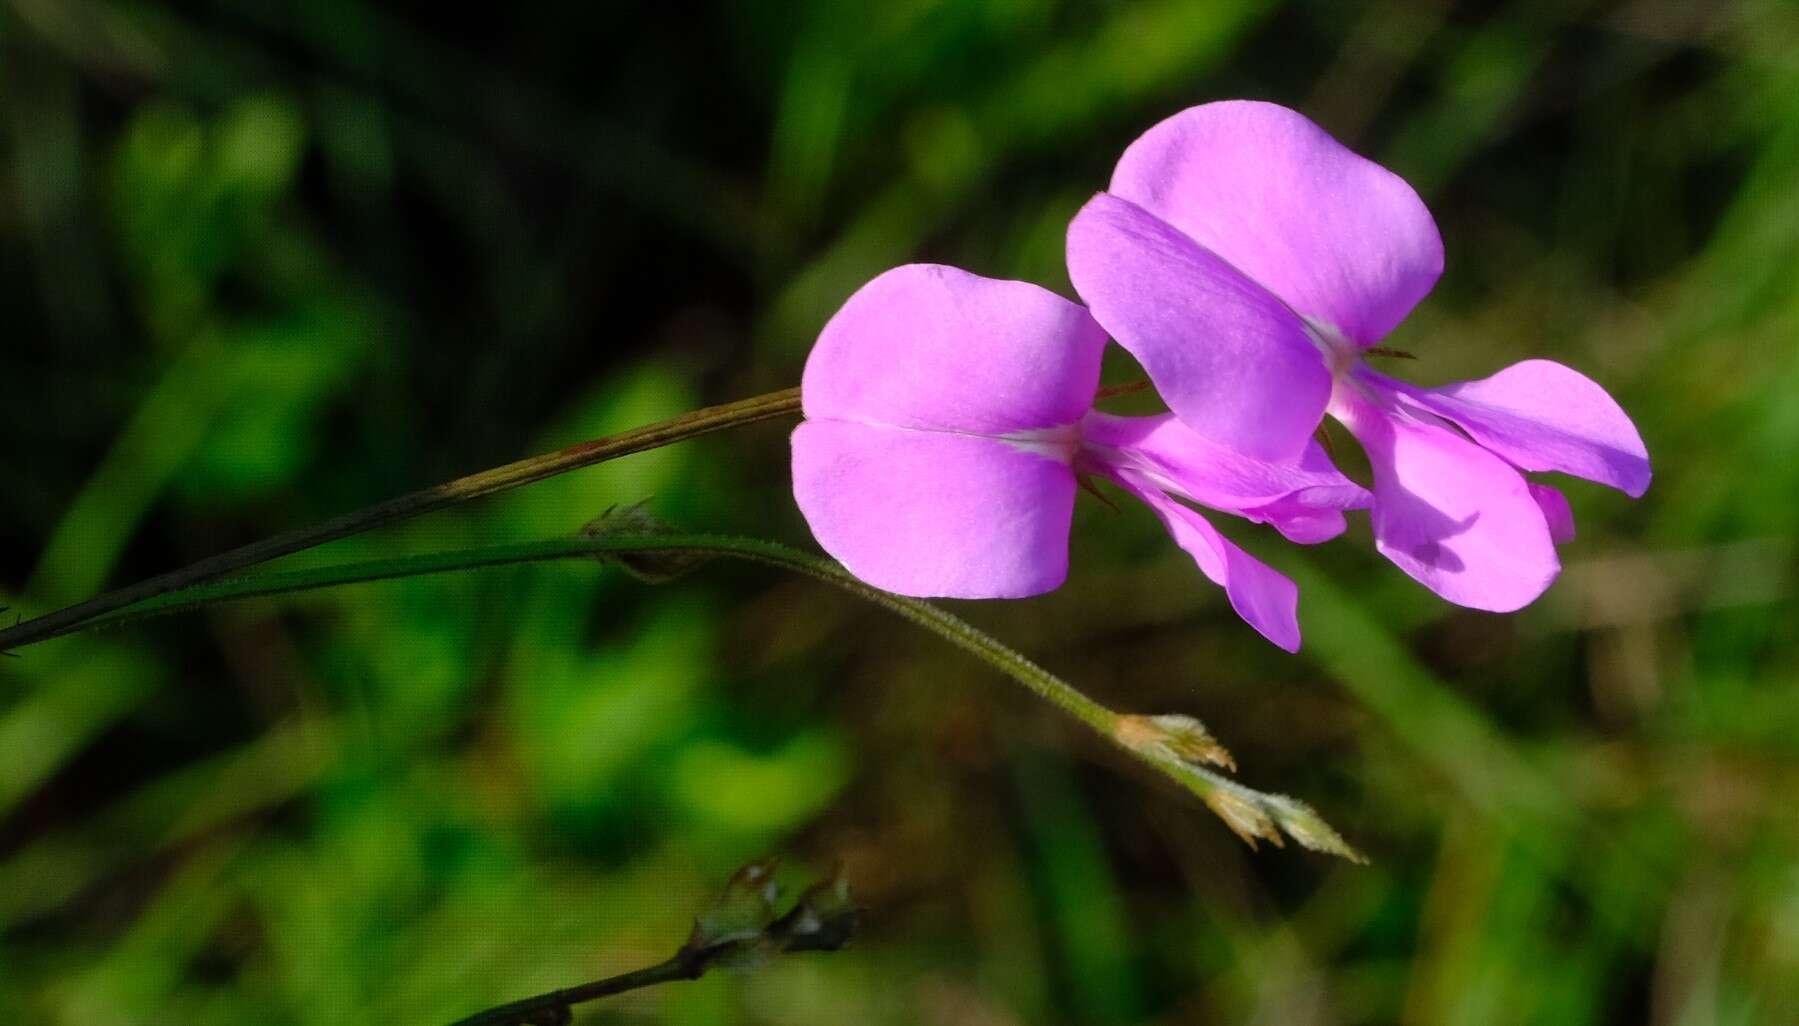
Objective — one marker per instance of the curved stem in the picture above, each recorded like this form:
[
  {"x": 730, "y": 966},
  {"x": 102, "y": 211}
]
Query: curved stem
[
  {"x": 741, "y": 927},
  {"x": 680, "y": 967},
  {"x": 487, "y": 482},
  {"x": 1174, "y": 746},
  {"x": 947, "y": 625},
  {"x": 428, "y": 500}
]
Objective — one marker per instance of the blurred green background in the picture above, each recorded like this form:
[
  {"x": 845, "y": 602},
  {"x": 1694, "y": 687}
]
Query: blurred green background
[{"x": 263, "y": 262}]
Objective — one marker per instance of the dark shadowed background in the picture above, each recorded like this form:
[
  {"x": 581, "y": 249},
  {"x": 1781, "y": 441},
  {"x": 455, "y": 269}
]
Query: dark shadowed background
[{"x": 264, "y": 262}]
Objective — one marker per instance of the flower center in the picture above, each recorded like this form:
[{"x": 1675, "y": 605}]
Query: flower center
[
  {"x": 1059, "y": 443},
  {"x": 1340, "y": 354}
]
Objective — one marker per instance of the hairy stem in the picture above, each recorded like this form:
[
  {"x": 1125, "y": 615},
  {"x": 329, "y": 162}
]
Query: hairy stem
[
  {"x": 521, "y": 472},
  {"x": 946, "y": 625},
  {"x": 1174, "y": 746},
  {"x": 487, "y": 482}
]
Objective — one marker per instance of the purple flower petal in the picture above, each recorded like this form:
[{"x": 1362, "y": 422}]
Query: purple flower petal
[
  {"x": 1541, "y": 415},
  {"x": 1340, "y": 238},
  {"x": 926, "y": 346},
  {"x": 1301, "y": 497},
  {"x": 1230, "y": 359},
  {"x": 934, "y": 514},
  {"x": 1264, "y": 599},
  {"x": 1452, "y": 515},
  {"x": 1556, "y": 511},
  {"x": 1302, "y": 523}
]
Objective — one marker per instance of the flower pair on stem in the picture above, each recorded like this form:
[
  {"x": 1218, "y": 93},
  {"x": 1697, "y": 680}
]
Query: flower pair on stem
[{"x": 1248, "y": 261}]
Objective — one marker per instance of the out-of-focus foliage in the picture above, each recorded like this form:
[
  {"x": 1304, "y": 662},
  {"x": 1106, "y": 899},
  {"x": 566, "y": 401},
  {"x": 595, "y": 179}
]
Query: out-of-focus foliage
[{"x": 264, "y": 262}]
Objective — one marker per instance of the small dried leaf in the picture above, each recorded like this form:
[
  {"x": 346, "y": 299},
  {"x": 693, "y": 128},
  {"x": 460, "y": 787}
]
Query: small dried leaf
[
  {"x": 742, "y": 912},
  {"x": 824, "y": 919},
  {"x": 1308, "y": 828},
  {"x": 1182, "y": 747},
  {"x": 652, "y": 566},
  {"x": 1245, "y": 818},
  {"x": 1181, "y": 737},
  {"x": 1255, "y": 815}
]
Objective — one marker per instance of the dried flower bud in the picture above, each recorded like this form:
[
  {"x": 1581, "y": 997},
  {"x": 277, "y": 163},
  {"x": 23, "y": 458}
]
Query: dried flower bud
[
  {"x": 824, "y": 919},
  {"x": 742, "y": 912},
  {"x": 1182, "y": 737},
  {"x": 1183, "y": 746},
  {"x": 652, "y": 566}
]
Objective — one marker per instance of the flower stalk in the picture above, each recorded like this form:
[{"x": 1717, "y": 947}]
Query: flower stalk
[
  {"x": 740, "y": 926},
  {"x": 488, "y": 482},
  {"x": 1177, "y": 747},
  {"x": 768, "y": 406}
]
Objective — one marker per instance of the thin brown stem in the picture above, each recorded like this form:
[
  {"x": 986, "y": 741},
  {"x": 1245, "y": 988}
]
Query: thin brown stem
[
  {"x": 740, "y": 927},
  {"x": 1397, "y": 354},
  {"x": 554, "y": 1006},
  {"x": 487, "y": 482},
  {"x": 1128, "y": 388}
]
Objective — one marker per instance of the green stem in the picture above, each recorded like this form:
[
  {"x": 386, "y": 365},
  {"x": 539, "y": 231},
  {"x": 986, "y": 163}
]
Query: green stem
[
  {"x": 428, "y": 500},
  {"x": 499, "y": 479},
  {"x": 948, "y": 626},
  {"x": 1173, "y": 746}
]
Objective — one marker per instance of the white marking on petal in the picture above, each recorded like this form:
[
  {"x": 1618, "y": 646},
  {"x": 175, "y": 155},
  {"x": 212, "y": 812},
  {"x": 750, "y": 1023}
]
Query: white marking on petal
[
  {"x": 1340, "y": 354},
  {"x": 1059, "y": 443}
]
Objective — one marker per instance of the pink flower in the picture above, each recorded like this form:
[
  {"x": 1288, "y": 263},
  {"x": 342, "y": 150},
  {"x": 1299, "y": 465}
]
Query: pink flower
[
  {"x": 1247, "y": 260},
  {"x": 949, "y": 417}
]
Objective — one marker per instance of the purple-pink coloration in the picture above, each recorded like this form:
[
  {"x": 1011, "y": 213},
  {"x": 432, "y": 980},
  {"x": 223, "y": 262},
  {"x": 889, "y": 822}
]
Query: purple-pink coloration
[
  {"x": 1248, "y": 260},
  {"x": 949, "y": 418}
]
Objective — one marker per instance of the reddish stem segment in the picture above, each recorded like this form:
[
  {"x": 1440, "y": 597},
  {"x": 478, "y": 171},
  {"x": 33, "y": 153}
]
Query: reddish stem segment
[{"x": 487, "y": 482}]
